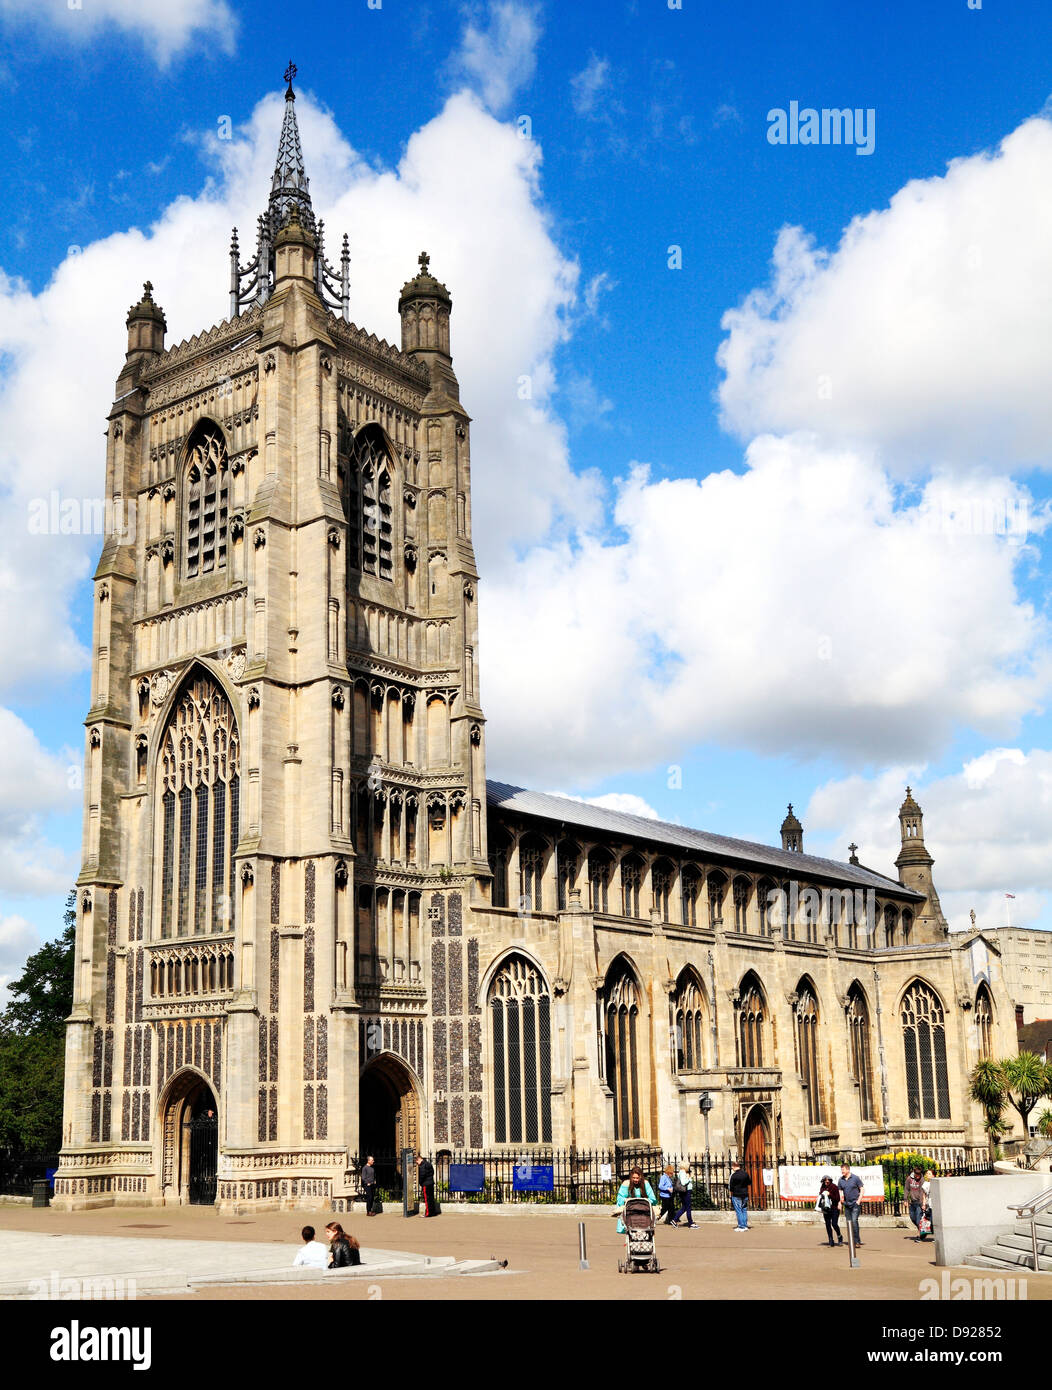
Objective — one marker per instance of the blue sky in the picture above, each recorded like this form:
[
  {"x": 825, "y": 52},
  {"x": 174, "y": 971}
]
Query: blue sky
[{"x": 649, "y": 130}]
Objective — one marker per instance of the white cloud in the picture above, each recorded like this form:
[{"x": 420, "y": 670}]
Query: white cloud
[
  {"x": 795, "y": 608},
  {"x": 927, "y": 331},
  {"x": 18, "y": 940},
  {"x": 988, "y": 828},
  {"x": 586, "y": 85},
  {"x": 498, "y": 56},
  {"x": 33, "y": 784},
  {"x": 165, "y": 27},
  {"x": 627, "y": 802}
]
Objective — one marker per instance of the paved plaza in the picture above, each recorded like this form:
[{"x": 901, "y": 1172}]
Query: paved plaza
[{"x": 195, "y": 1252}]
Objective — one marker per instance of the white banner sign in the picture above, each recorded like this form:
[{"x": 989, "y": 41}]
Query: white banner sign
[{"x": 800, "y": 1183}]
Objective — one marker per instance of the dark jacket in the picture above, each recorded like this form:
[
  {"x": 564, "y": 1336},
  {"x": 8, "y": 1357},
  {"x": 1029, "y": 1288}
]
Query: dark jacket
[
  {"x": 426, "y": 1172},
  {"x": 831, "y": 1190},
  {"x": 368, "y": 1174},
  {"x": 344, "y": 1255},
  {"x": 740, "y": 1183}
]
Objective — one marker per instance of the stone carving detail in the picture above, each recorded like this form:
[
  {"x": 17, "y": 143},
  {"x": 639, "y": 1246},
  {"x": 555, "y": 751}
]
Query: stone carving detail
[
  {"x": 236, "y": 665},
  {"x": 247, "y": 875},
  {"x": 118, "y": 430},
  {"x": 253, "y": 697},
  {"x": 95, "y": 738},
  {"x": 338, "y": 697},
  {"x": 260, "y": 538},
  {"x": 168, "y": 492},
  {"x": 269, "y": 363},
  {"x": 334, "y": 537},
  {"x": 160, "y": 686},
  {"x": 104, "y": 592},
  {"x": 168, "y": 549},
  {"x": 237, "y": 526},
  {"x": 411, "y": 556}
]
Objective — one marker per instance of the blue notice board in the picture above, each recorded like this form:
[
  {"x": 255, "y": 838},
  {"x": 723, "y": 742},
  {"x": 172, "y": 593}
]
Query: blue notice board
[
  {"x": 466, "y": 1177},
  {"x": 533, "y": 1177}
]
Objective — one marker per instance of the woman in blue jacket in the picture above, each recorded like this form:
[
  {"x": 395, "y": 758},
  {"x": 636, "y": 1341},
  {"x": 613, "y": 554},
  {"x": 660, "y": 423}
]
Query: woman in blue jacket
[
  {"x": 667, "y": 1190},
  {"x": 635, "y": 1185}
]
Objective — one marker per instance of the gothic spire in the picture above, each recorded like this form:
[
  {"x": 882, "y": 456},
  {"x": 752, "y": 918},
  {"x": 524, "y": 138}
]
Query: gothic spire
[
  {"x": 290, "y": 183},
  {"x": 289, "y": 189}
]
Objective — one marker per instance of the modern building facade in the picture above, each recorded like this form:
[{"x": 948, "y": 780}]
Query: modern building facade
[{"x": 308, "y": 925}]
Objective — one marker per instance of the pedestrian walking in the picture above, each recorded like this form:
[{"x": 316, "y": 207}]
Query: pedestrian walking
[
  {"x": 345, "y": 1249},
  {"x": 425, "y": 1173},
  {"x": 917, "y": 1199},
  {"x": 369, "y": 1186},
  {"x": 850, "y": 1186},
  {"x": 829, "y": 1205},
  {"x": 667, "y": 1191},
  {"x": 684, "y": 1191},
  {"x": 739, "y": 1184},
  {"x": 635, "y": 1185},
  {"x": 926, "y": 1228}
]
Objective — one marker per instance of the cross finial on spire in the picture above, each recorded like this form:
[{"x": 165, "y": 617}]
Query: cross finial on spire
[
  {"x": 909, "y": 791},
  {"x": 290, "y": 73},
  {"x": 147, "y": 289},
  {"x": 425, "y": 261}
]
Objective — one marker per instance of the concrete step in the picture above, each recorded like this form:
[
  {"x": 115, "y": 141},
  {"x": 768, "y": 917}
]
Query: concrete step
[
  {"x": 1044, "y": 1229},
  {"x": 1018, "y": 1241},
  {"x": 1022, "y": 1259},
  {"x": 988, "y": 1262}
]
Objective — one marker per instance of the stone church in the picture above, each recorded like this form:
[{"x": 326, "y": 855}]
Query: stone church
[{"x": 308, "y": 927}]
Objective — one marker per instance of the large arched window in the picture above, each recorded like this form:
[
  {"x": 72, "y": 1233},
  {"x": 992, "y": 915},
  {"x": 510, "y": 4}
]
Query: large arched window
[
  {"x": 690, "y": 887},
  {"x": 861, "y": 1066},
  {"x": 717, "y": 885},
  {"x": 370, "y": 519},
  {"x": 568, "y": 857},
  {"x": 621, "y": 1025},
  {"x": 206, "y": 501},
  {"x": 690, "y": 1022},
  {"x": 661, "y": 876},
  {"x": 924, "y": 1039},
  {"x": 984, "y": 1021},
  {"x": 891, "y": 925},
  {"x": 520, "y": 1019},
  {"x": 498, "y": 863},
  {"x": 532, "y": 854},
  {"x": 752, "y": 1022},
  {"x": 807, "y": 1050},
  {"x": 199, "y": 775}
]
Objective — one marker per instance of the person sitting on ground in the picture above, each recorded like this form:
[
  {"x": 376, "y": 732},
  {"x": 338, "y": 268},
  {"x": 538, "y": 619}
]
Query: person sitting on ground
[
  {"x": 345, "y": 1249},
  {"x": 311, "y": 1253}
]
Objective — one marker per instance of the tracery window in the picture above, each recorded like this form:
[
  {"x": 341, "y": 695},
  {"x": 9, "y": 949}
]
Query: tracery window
[
  {"x": 498, "y": 863},
  {"x": 621, "y": 1049},
  {"x": 766, "y": 897},
  {"x": 690, "y": 1025},
  {"x": 717, "y": 892},
  {"x": 199, "y": 784},
  {"x": 690, "y": 887},
  {"x": 891, "y": 924},
  {"x": 370, "y": 519},
  {"x": 924, "y": 1040},
  {"x": 207, "y": 501},
  {"x": 631, "y": 878},
  {"x": 741, "y": 904},
  {"x": 907, "y": 926},
  {"x": 752, "y": 1020},
  {"x": 531, "y": 874},
  {"x": 807, "y": 1051},
  {"x": 984, "y": 1021},
  {"x": 861, "y": 1067},
  {"x": 661, "y": 880},
  {"x": 520, "y": 1018},
  {"x": 568, "y": 858},
  {"x": 599, "y": 867}
]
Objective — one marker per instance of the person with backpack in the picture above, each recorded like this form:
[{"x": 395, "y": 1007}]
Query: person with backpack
[
  {"x": 683, "y": 1189},
  {"x": 829, "y": 1205},
  {"x": 667, "y": 1192},
  {"x": 739, "y": 1185}
]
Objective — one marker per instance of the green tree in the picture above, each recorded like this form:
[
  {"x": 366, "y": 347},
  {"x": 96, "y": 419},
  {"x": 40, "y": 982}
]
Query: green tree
[
  {"x": 32, "y": 1045},
  {"x": 987, "y": 1086}
]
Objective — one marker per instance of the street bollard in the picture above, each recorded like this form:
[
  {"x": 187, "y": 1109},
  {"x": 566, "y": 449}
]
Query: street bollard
[
  {"x": 582, "y": 1246},
  {"x": 852, "y": 1258}
]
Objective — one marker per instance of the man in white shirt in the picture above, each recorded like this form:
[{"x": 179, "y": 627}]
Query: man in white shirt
[{"x": 313, "y": 1254}]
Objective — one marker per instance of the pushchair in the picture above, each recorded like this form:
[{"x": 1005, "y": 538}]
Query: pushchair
[{"x": 638, "y": 1220}]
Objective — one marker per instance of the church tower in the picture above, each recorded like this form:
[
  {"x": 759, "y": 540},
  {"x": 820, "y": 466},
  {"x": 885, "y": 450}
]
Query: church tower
[
  {"x": 285, "y": 757},
  {"x": 914, "y": 864}
]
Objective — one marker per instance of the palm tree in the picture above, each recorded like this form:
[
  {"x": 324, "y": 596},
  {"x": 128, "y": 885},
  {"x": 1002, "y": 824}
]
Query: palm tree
[
  {"x": 987, "y": 1086},
  {"x": 1044, "y": 1123},
  {"x": 1026, "y": 1079}
]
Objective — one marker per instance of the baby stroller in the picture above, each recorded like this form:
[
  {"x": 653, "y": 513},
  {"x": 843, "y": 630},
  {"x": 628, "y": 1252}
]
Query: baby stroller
[{"x": 638, "y": 1219}]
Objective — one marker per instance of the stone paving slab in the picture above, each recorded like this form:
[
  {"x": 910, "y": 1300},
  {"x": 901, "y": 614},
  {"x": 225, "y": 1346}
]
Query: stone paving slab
[{"x": 41, "y": 1264}]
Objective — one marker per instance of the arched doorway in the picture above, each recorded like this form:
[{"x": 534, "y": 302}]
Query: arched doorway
[
  {"x": 755, "y": 1145},
  {"x": 191, "y": 1141},
  {"x": 388, "y": 1116}
]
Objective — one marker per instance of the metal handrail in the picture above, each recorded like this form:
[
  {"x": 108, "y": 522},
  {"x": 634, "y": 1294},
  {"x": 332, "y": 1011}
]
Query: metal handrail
[{"x": 1042, "y": 1202}]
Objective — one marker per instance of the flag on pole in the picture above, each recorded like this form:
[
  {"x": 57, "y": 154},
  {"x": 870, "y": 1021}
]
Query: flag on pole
[{"x": 1009, "y": 895}]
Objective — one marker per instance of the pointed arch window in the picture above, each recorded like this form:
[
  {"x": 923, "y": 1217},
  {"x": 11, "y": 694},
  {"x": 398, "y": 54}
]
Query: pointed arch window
[
  {"x": 531, "y": 875},
  {"x": 661, "y": 880},
  {"x": 891, "y": 925},
  {"x": 569, "y": 857},
  {"x": 907, "y": 926},
  {"x": 717, "y": 893},
  {"x": 690, "y": 1023},
  {"x": 599, "y": 867},
  {"x": 520, "y": 1019},
  {"x": 984, "y": 1021},
  {"x": 924, "y": 1041},
  {"x": 631, "y": 878},
  {"x": 370, "y": 513},
  {"x": 621, "y": 1049},
  {"x": 741, "y": 904},
  {"x": 199, "y": 785},
  {"x": 690, "y": 887},
  {"x": 861, "y": 1066},
  {"x": 207, "y": 501},
  {"x": 752, "y": 1023},
  {"x": 498, "y": 863},
  {"x": 807, "y": 1051}
]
